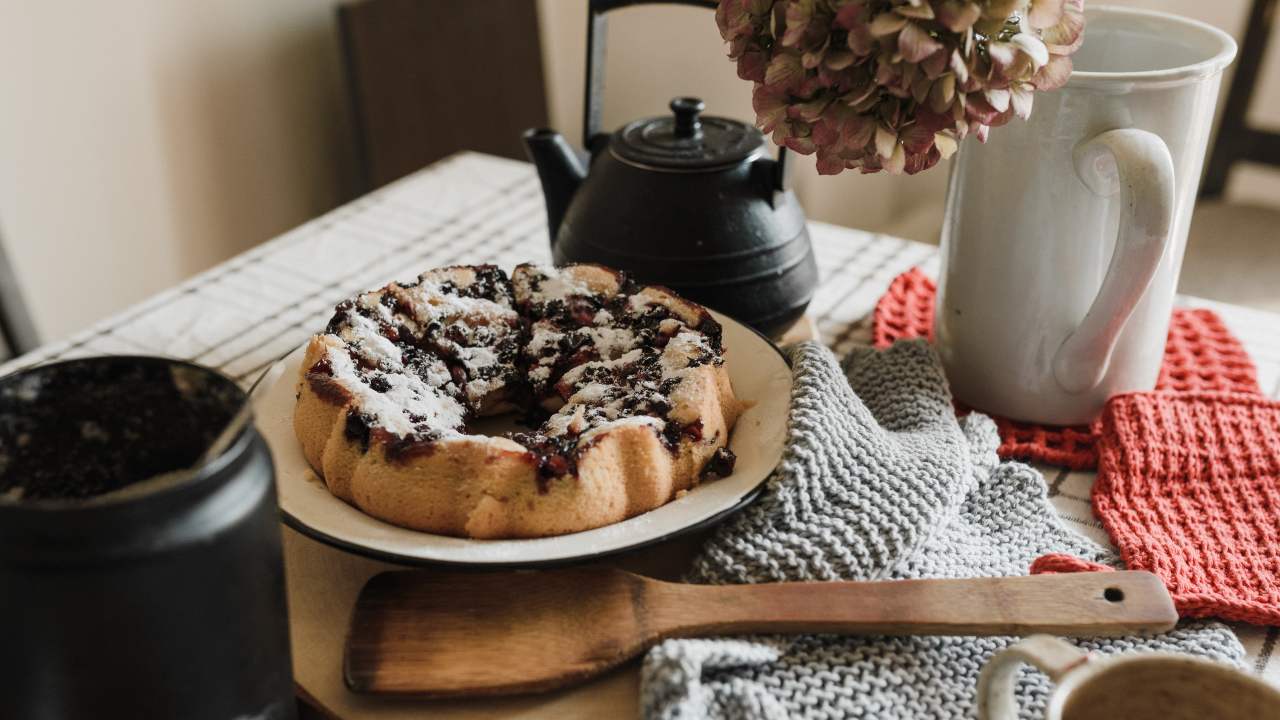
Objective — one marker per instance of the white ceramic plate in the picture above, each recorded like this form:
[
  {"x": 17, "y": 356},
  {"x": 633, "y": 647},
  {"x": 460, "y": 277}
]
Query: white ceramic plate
[{"x": 760, "y": 376}]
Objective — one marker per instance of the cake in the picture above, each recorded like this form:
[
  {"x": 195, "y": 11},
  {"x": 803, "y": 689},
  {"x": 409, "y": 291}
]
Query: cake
[{"x": 622, "y": 388}]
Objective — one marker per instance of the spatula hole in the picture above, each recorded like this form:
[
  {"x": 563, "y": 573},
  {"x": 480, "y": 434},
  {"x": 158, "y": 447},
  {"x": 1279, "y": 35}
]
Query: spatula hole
[{"x": 1113, "y": 594}]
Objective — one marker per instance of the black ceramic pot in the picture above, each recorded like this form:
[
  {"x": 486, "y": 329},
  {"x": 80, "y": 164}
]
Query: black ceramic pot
[{"x": 128, "y": 600}]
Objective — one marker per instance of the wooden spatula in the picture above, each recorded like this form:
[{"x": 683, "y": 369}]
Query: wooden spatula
[{"x": 454, "y": 633}]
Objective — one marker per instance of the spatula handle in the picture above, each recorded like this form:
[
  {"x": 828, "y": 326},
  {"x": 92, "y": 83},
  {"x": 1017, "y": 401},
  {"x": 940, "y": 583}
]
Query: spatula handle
[{"x": 1077, "y": 604}]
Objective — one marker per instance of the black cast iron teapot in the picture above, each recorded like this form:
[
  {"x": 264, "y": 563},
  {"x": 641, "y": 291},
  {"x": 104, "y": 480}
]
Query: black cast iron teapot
[{"x": 686, "y": 201}]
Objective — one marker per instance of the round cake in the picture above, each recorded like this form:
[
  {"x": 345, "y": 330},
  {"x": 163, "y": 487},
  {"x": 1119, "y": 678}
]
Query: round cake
[{"x": 622, "y": 388}]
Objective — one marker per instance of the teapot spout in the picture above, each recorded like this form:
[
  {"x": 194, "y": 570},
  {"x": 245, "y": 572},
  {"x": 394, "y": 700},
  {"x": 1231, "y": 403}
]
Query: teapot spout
[{"x": 559, "y": 169}]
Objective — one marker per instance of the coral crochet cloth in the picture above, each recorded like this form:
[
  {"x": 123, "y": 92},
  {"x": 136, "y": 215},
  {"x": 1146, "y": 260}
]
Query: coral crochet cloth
[
  {"x": 1201, "y": 355},
  {"x": 1189, "y": 488}
]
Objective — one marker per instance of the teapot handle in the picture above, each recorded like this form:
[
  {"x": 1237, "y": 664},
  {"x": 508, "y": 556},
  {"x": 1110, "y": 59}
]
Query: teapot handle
[
  {"x": 593, "y": 101},
  {"x": 596, "y": 35}
]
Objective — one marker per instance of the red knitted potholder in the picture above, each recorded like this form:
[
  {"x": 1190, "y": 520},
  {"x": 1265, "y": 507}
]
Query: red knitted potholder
[
  {"x": 1201, "y": 354},
  {"x": 1189, "y": 488}
]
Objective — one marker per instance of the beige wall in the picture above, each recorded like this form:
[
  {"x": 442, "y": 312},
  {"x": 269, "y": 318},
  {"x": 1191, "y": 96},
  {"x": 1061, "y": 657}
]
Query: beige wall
[{"x": 144, "y": 140}]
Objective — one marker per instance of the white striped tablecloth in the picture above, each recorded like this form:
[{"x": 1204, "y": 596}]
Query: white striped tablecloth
[{"x": 245, "y": 313}]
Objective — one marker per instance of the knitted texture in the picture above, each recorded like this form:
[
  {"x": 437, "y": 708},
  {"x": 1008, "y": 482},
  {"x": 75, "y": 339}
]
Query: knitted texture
[
  {"x": 879, "y": 480},
  {"x": 1189, "y": 488},
  {"x": 1201, "y": 354}
]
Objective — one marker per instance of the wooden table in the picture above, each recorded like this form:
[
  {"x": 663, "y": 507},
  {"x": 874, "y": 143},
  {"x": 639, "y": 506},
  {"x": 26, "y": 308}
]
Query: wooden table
[{"x": 243, "y": 314}]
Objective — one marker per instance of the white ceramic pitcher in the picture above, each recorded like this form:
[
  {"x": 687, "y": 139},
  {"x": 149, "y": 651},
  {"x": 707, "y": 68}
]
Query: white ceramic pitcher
[{"x": 1064, "y": 234}]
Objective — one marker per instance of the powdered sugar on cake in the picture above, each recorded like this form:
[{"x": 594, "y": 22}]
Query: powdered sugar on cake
[
  {"x": 548, "y": 284},
  {"x": 365, "y": 337},
  {"x": 587, "y": 347},
  {"x": 405, "y": 402}
]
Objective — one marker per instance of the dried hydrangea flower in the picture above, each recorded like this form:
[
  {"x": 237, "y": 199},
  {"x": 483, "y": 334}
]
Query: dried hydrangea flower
[{"x": 895, "y": 84}]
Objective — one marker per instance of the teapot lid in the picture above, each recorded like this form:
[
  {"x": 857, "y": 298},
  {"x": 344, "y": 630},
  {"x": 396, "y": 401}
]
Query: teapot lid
[{"x": 684, "y": 141}]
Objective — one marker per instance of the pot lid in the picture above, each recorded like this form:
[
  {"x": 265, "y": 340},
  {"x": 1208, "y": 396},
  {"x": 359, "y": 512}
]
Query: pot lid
[{"x": 686, "y": 141}]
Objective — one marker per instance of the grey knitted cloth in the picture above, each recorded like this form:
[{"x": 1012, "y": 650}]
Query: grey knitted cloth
[{"x": 879, "y": 480}]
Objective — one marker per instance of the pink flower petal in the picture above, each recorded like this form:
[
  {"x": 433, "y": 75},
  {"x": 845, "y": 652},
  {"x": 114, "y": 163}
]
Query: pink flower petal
[
  {"x": 824, "y": 134},
  {"x": 812, "y": 110},
  {"x": 897, "y": 161},
  {"x": 751, "y": 66},
  {"x": 1002, "y": 54},
  {"x": 731, "y": 18},
  {"x": 886, "y": 141},
  {"x": 849, "y": 16},
  {"x": 919, "y": 162},
  {"x": 1021, "y": 97},
  {"x": 999, "y": 11},
  {"x": 860, "y": 40},
  {"x": 838, "y": 59},
  {"x": 770, "y": 105},
  {"x": 957, "y": 15},
  {"x": 946, "y": 144},
  {"x": 935, "y": 64},
  {"x": 916, "y": 44},
  {"x": 977, "y": 109},
  {"x": 916, "y": 138},
  {"x": 1033, "y": 48},
  {"x": 784, "y": 70},
  {"x": 917, "y": 10},
  {"x": 813, "y": 55},
  {"x": 799, "y": 12},
  {"x": 858, "y": 131},
  {"x": 802, "y": 145},
  {"x": 1044, "y": 13},
  {"x": 1066, "y": 36},
  {"x": 1053, "y": 75},
  {"x": 887, "y": 23},
  {"x": 998, "y": 98},
  {"x": 959, "y": 67},
  {"x": 942, "y": 93},
  {"x": 830, "y": 164},
  {"x": 934, "y": 121}
]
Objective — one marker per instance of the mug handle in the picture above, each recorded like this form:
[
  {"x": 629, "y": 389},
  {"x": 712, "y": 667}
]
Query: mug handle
[
  {"x": 997, "y": 682},
  {"x": 1137, "y": 165}
]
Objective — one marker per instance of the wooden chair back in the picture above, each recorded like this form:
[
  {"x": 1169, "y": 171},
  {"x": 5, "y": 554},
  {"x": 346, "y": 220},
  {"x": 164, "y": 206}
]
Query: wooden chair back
[
  {"x": 1237, "y": 140},
  {"x": 430, "y": 77}
]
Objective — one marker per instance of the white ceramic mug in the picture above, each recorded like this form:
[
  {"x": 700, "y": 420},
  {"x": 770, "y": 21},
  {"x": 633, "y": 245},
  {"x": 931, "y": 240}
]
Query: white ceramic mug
[
  {"x": 1064, "y": 234},
  {"x": 1131, "y": 686}
]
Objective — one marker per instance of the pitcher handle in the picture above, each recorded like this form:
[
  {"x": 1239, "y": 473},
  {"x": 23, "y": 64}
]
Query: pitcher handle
[
  {"x": 1136, "y": 164},
  {"x": 998, "y": 680}
]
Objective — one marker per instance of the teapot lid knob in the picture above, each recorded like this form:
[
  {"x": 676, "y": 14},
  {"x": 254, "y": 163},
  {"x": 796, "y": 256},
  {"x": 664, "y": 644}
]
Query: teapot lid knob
[
  {"x": 686, "y": 110},
  {"x": 686, "y": 140}
]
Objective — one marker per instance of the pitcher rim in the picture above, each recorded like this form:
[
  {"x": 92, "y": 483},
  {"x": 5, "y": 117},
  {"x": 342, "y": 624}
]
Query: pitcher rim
[{"x": 1225, "y": 53}]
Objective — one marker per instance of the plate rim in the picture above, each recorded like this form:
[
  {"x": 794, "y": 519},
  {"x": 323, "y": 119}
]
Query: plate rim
[
  {"x": 412, "y": 561},
  {"x": 366, "y": 551}
]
